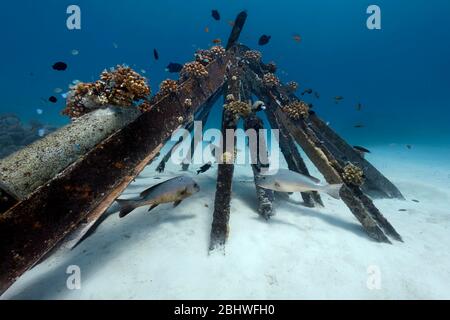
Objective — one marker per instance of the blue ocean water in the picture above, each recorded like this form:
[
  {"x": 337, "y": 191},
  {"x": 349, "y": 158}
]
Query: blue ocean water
[{"x": 400, "y": 74}]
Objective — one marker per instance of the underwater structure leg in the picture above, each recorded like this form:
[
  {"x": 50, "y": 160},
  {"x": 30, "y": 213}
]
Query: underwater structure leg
[
  {"x": 265, "y": 196},
  {"x": 85, "y": 189},
  {"x": 253, "y": 126},
  {"x": 294, "y": 160},
  {"x": 202, "y": 116},
  {"x": 375, "y": 184},
  {"x": 222, "y": 200},
  {"x": 334, "y": 172}
]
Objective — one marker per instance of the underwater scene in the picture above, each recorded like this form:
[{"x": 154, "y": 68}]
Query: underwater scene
[{"x": 204, "y": 150}]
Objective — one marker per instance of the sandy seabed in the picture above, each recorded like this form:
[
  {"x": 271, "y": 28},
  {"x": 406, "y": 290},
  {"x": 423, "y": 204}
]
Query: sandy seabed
[{"x": 301, "y": 253}]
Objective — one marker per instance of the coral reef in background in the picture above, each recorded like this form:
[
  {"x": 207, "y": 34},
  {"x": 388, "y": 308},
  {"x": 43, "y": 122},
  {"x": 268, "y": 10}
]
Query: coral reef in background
[
  {"x": 194, "y": 70},
  {"x": 296, "y": 110},
  {"x": 270, "y": 80},
  {"x": 353, "y": 174},
  {"x": 14, "y": 135},
  {"x": 121, "y": 86}
]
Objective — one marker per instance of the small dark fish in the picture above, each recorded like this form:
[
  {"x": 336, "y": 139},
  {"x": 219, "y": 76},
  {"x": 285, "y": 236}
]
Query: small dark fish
[
  {"x": 174, "y": 67},
  {"x": 215, "y": 14},
  {"x": 263, "y": 40},
  {"x": 358, "y": 126},
  {"x": 359, "y": 107},
  {"x": 415, "y": 200},
  {"x": 317, "y": 95},
  {"x": 308, "y": 91},
  {"x": 204, "y": 168},
  {"x": 409, "y": 146},
  {"x": 59, "y": 66},
  {"x": 160, "y": 168},
  {"x": 362, "y": 149},
  {"x": 155, "y": 54},
  {"x": 52, "y": 99},
  {"x": 337, "y": 99},
  {"x": 297, "y": 38},
  {"x": 402, "y": 210},
  {"x": 217, "y": 41}
]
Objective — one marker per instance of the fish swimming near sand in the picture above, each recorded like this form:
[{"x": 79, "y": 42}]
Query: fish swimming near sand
[
  {"x": 173, "y": 190},
  {"x": 289, "y": 181},
  {"x": 204, "y": 167}
]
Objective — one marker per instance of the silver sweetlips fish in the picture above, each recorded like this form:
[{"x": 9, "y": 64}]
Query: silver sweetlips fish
[
  {"x": 173, "y": 190},
  {"x": 290, "y": 181}
]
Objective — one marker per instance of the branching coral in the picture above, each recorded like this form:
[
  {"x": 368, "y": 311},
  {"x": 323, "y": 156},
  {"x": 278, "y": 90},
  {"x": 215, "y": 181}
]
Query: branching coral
[
  {"x": 230, "y": 97},
  {"x": 194, "y": 70},
  {"x": 206, "y": 56},
  {"x": 238, "y": 108},
  {"x": 296, "y": 110},
  {"x": 203, "y": 56},
  {"x": 252, "y": 55},
  {"x": 121, "y": 86},
  {"x": 168, "y": 86},
  {"x": 145, "y": 106},
  {"x": 217, "y": 52},
  {"x": 270, "y": 80},
  {"x": 124, "y": 86},
  {"x": 353, "y": 175}
]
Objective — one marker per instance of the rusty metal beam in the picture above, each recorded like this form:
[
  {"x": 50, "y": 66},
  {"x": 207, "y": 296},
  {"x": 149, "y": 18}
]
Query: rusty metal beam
[
  {"x": 222, "y": 199},
  {"x": 360, "y": 205},
  {"x": 237, "y": 29},
  {"x": 376, "y": 184},
  {"x": 85, "y": 189}
]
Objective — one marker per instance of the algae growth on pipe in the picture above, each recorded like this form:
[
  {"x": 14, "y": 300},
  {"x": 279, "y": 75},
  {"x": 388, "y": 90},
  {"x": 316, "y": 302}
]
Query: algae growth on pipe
[{"x": 27, "y": 169}]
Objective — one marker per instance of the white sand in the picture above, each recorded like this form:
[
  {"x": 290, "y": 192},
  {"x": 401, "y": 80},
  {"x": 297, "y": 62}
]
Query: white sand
[{"x": 300, "y": 254}]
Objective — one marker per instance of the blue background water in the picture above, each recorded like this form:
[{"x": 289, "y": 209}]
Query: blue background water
[{"x": 401, "y": 74}]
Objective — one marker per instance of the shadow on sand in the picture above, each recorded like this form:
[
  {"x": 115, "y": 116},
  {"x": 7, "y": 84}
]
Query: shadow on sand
[{"x": 93, "y": 253}]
